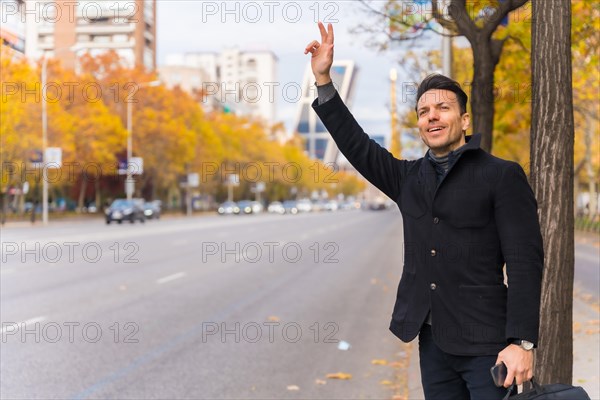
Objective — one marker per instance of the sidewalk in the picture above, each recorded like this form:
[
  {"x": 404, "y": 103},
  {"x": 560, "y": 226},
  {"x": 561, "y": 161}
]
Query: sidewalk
[{"x": 586, "y": 347}]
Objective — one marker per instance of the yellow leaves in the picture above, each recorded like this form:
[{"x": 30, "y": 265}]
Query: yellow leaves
[
  {"x": 171, "y": 132},
  {"x": 339, "y": 375},
  {"x": 379, "y": 362}
]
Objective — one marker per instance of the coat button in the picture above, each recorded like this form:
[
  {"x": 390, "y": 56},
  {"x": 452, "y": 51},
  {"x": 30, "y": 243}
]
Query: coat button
[
  {"x": 436, "y": 220},
  {"x": 433, "y": 252},
  {"x": 433, "y": 286}
]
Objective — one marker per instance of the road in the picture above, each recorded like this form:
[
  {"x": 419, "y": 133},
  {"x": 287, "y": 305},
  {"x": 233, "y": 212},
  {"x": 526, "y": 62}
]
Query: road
[
  {"x": 253, "y": 307},
  {"x": 215, "y": 307}
]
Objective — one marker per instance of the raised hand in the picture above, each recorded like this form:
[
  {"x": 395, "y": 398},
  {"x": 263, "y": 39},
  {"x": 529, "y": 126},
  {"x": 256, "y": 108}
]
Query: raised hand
[{"x": 322, "y": 54}]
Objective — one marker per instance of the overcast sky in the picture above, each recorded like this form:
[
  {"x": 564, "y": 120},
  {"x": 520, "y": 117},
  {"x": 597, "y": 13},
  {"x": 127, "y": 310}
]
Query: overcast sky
[{"x": 285, "y": 28}]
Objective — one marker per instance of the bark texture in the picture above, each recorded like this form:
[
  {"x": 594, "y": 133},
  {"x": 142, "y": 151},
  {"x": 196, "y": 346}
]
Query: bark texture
[{"x": 552, "y": 139}]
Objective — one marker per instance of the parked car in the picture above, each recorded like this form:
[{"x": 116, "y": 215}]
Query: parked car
[
  {"x": 257, "y": 207},
  {"x": 290, "y": 207},
  {"x": 228, "y": 208},
  {"x": 276, "y": 207},
  {"x": 332, "y": 205},
  {"x": 245, "y": 207},
  {"x": 304, "y": 205},
  {"x": 318, "y": 205},
  {"x": 152, "y": 209},
  {"x": 126, "y": 210}
]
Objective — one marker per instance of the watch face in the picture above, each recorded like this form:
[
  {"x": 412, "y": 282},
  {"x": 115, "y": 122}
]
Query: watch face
[{"x": 526, "y": 345}]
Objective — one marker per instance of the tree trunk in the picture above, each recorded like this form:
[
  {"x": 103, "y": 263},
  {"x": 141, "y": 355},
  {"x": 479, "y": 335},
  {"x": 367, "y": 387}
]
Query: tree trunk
[
  {"x": 482, "y": 94},
  {"x": 593, "y": 205},
  {"x": 97, "y": 193},
  {"x": 82, "y": 191},
  {"x": 552, "y": 138}
]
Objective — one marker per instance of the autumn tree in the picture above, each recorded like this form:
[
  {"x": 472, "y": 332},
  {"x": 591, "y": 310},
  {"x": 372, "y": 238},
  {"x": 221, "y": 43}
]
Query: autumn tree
[
  {"x": 476, "y": 20},
  {"x": 552, "y": 137}
]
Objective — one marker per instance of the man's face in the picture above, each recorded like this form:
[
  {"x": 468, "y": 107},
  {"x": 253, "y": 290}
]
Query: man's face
[{"x": 440, "y": 122}]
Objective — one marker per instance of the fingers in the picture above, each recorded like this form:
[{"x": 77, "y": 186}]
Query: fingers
[
  {"x": 518, "y": 376},
  {"x": 323, "y": 32},
  {"x": 326, "y": 35},
  {"x": 312, "y": 47},
  {"x": 510, "y": 377}
]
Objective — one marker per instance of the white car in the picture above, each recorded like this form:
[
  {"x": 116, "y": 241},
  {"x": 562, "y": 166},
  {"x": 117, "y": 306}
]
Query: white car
[
  {"x": 304, "y": 205},
  {"x": 276, "y": 207}
]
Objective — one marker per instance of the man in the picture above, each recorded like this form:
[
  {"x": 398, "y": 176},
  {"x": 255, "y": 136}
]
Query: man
[{"x": 465, "y": 214}]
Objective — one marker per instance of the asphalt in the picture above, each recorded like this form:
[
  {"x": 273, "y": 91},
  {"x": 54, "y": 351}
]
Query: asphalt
[{"x": 405, "y": 359}]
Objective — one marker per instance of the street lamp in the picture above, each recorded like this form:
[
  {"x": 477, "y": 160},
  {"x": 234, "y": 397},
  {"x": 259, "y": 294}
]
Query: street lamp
[
  {"x": 45, "y": 129},
  {"x": 129, "y": 181}
]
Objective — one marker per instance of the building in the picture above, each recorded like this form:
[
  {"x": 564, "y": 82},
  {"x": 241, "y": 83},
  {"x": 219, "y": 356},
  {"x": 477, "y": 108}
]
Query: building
[
  {"x": 126, "y": 26},
  {"x": 243, "y": 82},
  {"x": 189, "y": 79},
  {"x": 319, "y": 143},
  {"x": 12, "y": 26}
]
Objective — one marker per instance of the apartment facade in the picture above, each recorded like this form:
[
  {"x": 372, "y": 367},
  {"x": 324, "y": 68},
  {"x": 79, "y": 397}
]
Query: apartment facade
[
  {"x": 64, "y": 29},
  {"x": 13, "y": 26},
  {"x": 243, "y": 82}
]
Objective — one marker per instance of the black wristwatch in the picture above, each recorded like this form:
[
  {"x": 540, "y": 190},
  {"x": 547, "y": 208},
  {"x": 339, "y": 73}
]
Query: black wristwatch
[{"x": 524, "y": 344}]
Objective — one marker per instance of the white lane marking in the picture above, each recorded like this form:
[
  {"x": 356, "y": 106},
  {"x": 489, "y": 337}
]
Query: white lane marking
[
  {"x": 15, "y": 325},
  {"x": 169, "y": 278}
]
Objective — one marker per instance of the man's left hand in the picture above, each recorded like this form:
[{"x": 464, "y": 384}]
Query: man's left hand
[{"x": 519, "y": 364}]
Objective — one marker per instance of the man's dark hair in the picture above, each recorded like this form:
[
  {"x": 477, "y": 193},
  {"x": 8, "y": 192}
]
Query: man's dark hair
[{"x": 438, "y": 81}]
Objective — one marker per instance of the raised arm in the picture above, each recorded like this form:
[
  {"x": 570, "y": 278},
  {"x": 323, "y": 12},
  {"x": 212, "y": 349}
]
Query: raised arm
[{"x": 374, "y": 162}]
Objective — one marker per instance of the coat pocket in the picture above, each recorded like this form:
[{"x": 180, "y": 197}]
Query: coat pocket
[{"x": 483, "y": 313}]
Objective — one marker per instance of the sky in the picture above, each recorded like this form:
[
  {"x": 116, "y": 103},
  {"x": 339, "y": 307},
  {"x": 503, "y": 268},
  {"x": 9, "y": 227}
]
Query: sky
[{"x": 285, "y": 28}]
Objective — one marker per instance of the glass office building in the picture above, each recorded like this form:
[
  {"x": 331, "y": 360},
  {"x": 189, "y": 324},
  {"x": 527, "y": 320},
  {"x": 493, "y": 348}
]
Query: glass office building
[{"x": 318, "y": 142}]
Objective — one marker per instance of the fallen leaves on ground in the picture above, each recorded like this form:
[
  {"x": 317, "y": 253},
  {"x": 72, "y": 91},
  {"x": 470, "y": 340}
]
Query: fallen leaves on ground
[
  {"x": 339, "y": 375},
  {"x": 379, "y": 362}
]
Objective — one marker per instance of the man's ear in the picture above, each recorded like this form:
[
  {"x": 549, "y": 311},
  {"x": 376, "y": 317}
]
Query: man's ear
[{"x": 465, "y": 121}]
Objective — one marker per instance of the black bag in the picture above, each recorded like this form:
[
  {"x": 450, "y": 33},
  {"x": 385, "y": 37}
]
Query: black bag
[{"x": 554, "y": 391}]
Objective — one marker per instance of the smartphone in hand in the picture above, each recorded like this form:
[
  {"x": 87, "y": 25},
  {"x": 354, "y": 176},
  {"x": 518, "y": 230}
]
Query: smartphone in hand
[{"x": 499, "y": 373}]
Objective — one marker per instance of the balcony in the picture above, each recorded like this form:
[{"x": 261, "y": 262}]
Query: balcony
[{"x": 96, "y": 29}]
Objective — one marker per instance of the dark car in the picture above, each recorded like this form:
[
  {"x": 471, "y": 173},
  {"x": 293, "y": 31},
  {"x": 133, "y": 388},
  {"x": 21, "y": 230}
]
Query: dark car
[
  {"x": 152, "y": 209},
  {"x": 126, "y": 210}
]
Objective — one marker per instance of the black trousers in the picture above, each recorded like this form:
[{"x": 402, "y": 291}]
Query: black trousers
[{"x": 448, "y": 377}]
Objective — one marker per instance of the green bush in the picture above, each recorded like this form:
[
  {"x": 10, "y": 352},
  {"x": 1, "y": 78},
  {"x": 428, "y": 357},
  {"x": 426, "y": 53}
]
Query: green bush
[{"x": 587, "y": 224}]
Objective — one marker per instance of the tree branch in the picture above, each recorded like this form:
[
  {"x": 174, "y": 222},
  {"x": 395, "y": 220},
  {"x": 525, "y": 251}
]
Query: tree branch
[
  {"x": 441, "y": 19},
  {"x": 465, "y": 24},
  {"x": 492, "y": 22},
  {"x": 496, "y": 49}
]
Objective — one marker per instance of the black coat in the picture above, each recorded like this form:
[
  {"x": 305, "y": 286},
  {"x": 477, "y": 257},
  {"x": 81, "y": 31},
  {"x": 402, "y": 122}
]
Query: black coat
[{"x": 458, "y": 235}]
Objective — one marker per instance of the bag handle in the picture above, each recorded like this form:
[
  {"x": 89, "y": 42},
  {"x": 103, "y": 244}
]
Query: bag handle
[{"x": 536, "y": 388}]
